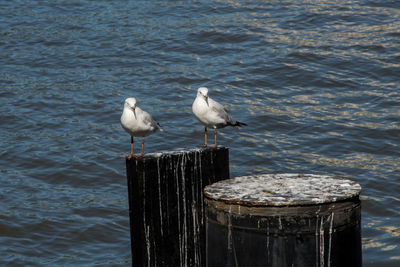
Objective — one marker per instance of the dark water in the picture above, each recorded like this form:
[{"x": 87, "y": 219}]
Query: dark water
[{"x": 316, "y": 81}]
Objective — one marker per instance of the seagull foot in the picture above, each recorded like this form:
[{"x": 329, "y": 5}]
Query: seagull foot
[
  {"x": 203, "y": 146},
  {"x": 130, "y": 156}
]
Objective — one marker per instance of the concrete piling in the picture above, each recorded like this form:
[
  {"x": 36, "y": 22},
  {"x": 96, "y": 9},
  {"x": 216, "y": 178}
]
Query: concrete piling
[{"x": 283, "y": 220}]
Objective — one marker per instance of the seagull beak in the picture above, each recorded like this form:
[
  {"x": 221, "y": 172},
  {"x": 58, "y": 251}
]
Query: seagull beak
[
  {"x": 206, "y": 100},
  {"x": 133, "y": 109}
]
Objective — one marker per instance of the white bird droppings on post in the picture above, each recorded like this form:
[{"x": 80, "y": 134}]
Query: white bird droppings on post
[{"x": 283, "y": 189}]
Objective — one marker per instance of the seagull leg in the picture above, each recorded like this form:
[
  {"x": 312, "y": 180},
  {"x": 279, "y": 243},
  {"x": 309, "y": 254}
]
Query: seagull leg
[
  {"x": 215, "y": 138},
  {"x": 131, "y": 155},
  {"x": 205, "y": 137},
  {"x": 142, "y": 147}
]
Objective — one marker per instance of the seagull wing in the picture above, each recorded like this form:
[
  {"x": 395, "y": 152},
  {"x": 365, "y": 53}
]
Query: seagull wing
[
  {"x": 149, "y": 121},
  {"x": 220, "y": 112}
]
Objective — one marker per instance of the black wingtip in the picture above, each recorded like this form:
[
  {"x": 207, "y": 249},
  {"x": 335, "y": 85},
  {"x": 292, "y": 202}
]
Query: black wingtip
[
  {"x": 238, "y": 123},
  {"x": 159, "y": 127}
]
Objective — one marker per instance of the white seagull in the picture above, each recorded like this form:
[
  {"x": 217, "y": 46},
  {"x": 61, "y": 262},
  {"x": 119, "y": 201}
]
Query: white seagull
[
  {"x": 137, "y": 122},
  {"x": 211, "y": 114}
]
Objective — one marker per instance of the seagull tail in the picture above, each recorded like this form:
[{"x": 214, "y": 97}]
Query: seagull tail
[
  {"x": 238, "y": 123},
  {"x": 159, "y": 127}
]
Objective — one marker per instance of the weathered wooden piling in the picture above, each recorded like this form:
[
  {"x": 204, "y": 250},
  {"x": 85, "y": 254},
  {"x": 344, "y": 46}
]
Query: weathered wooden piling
[
  {"x": 166, "y": 204},
  {"x": 283, "y": 220}
]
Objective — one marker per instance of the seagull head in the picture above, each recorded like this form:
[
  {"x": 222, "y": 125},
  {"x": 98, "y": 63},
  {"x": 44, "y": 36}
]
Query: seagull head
[
  {"x": 130, "y": 103},
  {"x": 203, "y": 92}
]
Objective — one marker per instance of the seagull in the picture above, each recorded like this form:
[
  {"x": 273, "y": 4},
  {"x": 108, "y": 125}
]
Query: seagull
[
  {"x": 211, "y": 114},
  {"x": 137, "y": 122}
]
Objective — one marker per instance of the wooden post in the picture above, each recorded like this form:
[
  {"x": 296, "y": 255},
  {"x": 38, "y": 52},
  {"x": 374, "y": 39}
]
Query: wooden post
[
  {"x": 166, "y": 204},
  {"x": 283, "y": 220}
]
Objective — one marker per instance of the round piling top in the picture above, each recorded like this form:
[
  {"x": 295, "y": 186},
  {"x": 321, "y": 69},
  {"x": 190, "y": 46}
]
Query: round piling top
[{"x": 283, "y": 190}]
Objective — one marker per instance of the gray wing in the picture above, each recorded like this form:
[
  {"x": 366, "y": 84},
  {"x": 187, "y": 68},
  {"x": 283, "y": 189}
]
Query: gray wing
[
  {"x": 220, "y": 111},
  {"x": 148, "y": 120}
]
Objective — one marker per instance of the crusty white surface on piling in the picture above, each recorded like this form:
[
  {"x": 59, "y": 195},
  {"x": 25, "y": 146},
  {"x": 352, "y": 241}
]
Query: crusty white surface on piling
[
  {"x": 179, "y": 151},
  {"x": 283, "y": 190}
]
